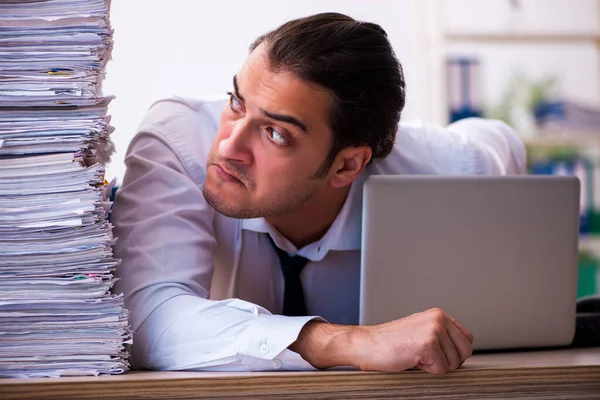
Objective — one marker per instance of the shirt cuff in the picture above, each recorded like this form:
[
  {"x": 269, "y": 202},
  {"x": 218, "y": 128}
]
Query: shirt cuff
[{"x": 264, "y": 343}]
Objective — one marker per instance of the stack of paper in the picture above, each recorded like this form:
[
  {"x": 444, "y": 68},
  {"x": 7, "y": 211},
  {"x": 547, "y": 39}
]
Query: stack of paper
[{"x": 57, "y": 316}]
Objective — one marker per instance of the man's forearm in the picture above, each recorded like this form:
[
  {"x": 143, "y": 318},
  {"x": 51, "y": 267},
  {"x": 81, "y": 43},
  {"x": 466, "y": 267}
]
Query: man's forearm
[{"x": 326, "y": 345}]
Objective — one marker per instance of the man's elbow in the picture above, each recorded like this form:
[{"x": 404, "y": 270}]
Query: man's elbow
[
  {"x": 144, "y": 344},
  {"x": 500, "y": 150},
  {"x": 516, "y": 158}
]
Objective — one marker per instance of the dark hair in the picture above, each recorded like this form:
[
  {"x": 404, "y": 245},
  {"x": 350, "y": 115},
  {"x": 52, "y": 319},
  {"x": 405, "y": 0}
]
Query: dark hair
[{"x": 356, "y": 62}]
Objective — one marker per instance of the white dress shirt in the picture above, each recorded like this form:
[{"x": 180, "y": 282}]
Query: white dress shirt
[{"x": 205, "y": 290}]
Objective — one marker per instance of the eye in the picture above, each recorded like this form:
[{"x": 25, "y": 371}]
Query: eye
[
  {"x": 234, "y": 103},
  {"x": 277, "y": 138}
]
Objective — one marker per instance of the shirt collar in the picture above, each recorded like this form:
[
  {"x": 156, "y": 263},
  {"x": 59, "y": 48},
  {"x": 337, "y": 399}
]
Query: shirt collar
[{"x": 343, "y": 235}]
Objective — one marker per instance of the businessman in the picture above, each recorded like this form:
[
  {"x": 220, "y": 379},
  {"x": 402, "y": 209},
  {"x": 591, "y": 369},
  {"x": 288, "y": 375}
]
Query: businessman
[{"x": 239, "y": 221}]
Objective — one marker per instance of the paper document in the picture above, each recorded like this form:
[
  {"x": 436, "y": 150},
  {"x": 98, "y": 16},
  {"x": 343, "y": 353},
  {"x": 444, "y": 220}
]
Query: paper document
[{"x": 58, "y": 316}]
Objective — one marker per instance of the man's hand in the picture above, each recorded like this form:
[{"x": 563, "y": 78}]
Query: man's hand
[{"x": 431, "y": 341}]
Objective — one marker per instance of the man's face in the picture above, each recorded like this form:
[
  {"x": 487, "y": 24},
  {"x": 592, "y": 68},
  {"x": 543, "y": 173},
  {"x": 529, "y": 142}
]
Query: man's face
[{"x": 273, "y": 137}]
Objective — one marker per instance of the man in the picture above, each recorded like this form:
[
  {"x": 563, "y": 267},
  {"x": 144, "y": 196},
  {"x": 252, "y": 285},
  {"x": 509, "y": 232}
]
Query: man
[{"x": 211, "y": 211}]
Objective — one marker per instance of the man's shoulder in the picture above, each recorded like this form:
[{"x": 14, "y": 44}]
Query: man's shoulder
[
  {"x": 425, "y": 148},
  {"x": 180, "y": 116},
  {"x": 412, "y": 151},
  {"x": 188, "y": 126}
]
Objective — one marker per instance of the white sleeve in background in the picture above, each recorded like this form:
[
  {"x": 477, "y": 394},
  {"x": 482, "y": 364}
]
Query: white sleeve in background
[
  {"x": 501, "y": 149},
  {"x": 472, "y": 146},
  {"x": 166, "y": 243}
]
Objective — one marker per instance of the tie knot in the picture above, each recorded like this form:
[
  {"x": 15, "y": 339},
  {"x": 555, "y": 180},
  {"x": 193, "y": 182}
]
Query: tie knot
[{"x": 290, "y": 264}]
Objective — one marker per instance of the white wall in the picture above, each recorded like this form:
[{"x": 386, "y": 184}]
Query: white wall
[{"x": 193, "y": 48}]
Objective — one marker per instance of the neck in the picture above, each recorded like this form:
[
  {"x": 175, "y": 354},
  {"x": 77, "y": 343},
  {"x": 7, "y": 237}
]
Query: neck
[{"x": 311, "y": 221}]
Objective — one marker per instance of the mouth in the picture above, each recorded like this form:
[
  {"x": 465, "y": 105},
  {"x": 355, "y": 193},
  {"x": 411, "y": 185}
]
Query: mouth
[{"x": 226, "y": 175}]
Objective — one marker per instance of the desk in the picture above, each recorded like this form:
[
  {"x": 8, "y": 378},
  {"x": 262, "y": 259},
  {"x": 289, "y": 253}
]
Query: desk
[{"x": 556, "y": 374}]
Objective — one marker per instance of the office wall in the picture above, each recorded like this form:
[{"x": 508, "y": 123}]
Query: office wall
[{"x": 193, "y": 48}]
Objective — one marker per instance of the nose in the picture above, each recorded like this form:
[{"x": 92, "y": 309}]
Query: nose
[{"x": 237, "y": 145}]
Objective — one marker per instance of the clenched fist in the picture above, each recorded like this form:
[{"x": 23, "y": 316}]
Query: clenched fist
[{"x": 431, "y": 341}]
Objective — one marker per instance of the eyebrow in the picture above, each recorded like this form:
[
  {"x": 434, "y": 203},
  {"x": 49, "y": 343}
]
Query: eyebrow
[
  {"x": 278, "y": 117},
  {"x": 286, "y": 118},
  {"x": 236, "y": 88}
]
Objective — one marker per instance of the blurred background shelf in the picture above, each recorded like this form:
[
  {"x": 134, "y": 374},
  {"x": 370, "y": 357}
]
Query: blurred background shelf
[
  {"x": 590, "y": 243},
  {"x": 523, "y": 37},
  {"x": 560, "y": 138}
]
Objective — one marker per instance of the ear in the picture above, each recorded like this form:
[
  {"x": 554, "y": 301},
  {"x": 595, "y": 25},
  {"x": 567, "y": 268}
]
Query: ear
[{"x": 349, "y": 164}]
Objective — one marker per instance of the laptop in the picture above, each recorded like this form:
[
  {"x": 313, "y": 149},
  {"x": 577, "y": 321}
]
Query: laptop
[{"x": 500, "y": 254}]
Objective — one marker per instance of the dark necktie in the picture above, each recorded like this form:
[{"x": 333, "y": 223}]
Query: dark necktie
[{"x": 293, "y": 295}]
